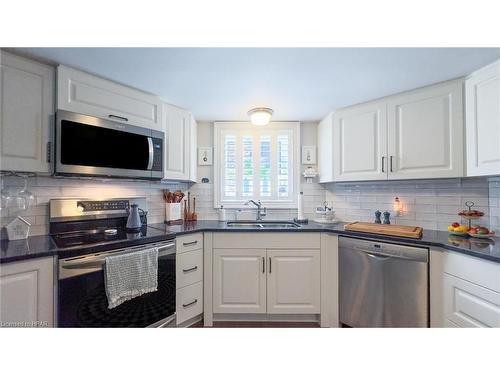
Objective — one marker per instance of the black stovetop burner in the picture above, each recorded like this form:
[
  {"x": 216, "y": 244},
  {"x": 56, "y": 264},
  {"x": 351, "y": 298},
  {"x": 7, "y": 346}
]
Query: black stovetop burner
[{"x": 89, "y": 237}]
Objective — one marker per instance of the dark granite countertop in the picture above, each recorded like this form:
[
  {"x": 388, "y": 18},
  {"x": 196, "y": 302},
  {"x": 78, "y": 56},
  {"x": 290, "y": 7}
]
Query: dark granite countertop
[
  {"x": 40, "y": 246},
  {"x": 482, "y": 248}
]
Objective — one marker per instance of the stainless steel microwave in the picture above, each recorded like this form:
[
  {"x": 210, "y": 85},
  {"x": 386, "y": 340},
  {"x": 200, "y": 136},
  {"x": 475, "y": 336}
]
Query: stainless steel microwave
[{"x": 91, "y": 146}]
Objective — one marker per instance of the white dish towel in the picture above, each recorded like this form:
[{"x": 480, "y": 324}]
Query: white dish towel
[{"x": 130, "y": 275}]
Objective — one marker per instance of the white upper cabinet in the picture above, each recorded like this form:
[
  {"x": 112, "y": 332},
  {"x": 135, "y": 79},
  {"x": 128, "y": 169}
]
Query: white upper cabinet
[
  {"x": 90, "y": 95},
  {"x": 325, "y": 149},
  {"x": 413, "y": 135},
  {"x": 425, "y": 132},
  {"x": 26, "y": 114},
  {"x": 180, "y": 140},
  {"x": 482, "y": 98},
  {"x": 360, "y": 142}
]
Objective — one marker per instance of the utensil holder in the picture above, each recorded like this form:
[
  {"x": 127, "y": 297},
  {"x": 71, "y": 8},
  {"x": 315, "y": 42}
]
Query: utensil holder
[{"x": 173, "y": 212}]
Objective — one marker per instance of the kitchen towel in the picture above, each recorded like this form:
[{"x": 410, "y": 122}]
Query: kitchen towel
[{"x": 130, "y": 275}]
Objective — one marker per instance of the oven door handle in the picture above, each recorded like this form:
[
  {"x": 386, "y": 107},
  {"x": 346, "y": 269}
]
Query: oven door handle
[
  {"x": 151, "y": 154},
  {"x": 97, "y": 260}
]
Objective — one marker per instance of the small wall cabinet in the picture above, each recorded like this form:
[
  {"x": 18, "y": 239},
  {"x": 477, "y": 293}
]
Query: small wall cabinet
[
  {"x": 27, "y": 293},
  {"x": 482, "y": 119},
  {"x": 385, "y": 139},
  {"x": 85, "y": 93},
  {"x": 181, "y": 136},
  {"x": 26, "y": 115},
  {"x": 325, "y": 149}
]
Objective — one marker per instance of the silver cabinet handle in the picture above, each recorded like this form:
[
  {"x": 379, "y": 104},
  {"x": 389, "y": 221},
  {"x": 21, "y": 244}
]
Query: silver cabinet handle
[
  {"x": 190, "y": 269},
  {"x": 383, "y": 160},
  {"x": 391, "y": 163},
  {"x": 270, "y": 267},
  {"x": 263, "y": 265},
  {"x": 189, "y": 304},
  {"x": 189, "y": 243},
  {"x": 118, "y": 117}
]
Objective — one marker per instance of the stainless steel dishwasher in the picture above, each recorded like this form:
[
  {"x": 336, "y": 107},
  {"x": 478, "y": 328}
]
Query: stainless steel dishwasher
[{"x": 383, "y": 284}]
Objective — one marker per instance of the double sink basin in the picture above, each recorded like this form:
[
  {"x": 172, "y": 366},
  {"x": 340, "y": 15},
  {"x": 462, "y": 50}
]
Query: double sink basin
[{"x": 260, "y": 224}]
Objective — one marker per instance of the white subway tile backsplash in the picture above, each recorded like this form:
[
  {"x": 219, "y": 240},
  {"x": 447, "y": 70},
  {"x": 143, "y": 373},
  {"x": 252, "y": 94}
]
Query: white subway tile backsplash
[{"x": 432, "y": 204}]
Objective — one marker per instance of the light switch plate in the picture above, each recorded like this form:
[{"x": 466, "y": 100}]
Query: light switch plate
[
  {"x": 204, "y": 155},
  {"x": 308, "y": 155}
]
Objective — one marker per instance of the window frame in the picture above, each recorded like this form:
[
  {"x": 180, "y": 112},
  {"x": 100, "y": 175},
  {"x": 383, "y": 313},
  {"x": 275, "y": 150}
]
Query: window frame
[{"x": 242, "y": 128}]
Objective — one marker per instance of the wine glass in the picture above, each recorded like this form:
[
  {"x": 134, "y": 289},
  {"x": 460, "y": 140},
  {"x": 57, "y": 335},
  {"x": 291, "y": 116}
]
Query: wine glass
[{"x": 25, "y": 198}]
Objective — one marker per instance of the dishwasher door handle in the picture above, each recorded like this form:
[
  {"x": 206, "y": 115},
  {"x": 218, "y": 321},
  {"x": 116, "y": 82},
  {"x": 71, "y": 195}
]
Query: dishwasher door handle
[
  {"x": 387, "y": 256},
  {"x": 377, "y": 256}
]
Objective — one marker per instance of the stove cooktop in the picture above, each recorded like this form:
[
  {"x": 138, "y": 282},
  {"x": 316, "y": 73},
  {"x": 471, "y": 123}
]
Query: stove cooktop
[{"x": 102, "y": 236}]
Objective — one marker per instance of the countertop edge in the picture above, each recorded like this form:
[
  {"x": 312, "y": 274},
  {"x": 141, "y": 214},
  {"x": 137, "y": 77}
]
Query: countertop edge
[{"x": 212, "y": 227}]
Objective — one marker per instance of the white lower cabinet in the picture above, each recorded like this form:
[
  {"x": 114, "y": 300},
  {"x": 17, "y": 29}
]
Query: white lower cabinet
[
  {"x": 273, "y": 281},
  {"x": 293, "y": 281},
  {"x": 189, "y": 277},
  {"x": 239, "y": 281},
  {"x": 27, "y": 293},
  {"x": 189, "y": 302},
  {"x": 470, "y": 305},
  {"x": 465, "y": 291}
]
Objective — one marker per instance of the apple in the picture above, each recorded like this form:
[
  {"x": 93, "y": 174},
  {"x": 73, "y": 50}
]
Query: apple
[
  {"x": 473, "y": 231},
  {"x": 455, "y": 225},
  {"x": 483, "y": 230}
]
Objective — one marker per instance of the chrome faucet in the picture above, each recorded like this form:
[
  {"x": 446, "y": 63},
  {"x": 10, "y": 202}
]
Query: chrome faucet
[{"x": 258, "y": 204}]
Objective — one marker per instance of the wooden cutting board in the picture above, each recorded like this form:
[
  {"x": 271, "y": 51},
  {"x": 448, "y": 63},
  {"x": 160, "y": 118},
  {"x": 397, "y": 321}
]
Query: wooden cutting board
[{"x": 385, "y": 229}]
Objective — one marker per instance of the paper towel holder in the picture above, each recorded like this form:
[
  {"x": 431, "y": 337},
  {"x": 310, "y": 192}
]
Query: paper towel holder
[{"x": 298, "y": 219}]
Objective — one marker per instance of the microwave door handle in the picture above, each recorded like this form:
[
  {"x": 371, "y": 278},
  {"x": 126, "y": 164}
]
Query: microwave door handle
[{"x": 151, "y": 153}]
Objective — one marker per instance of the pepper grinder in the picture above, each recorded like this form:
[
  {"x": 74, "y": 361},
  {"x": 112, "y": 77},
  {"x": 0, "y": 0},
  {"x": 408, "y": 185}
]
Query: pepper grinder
[
  {"x": 387, "y": 214},
  {"x": 378, "y": 214}
]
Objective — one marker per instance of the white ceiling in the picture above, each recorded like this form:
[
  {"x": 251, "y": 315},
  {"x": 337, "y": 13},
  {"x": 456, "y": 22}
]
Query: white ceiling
[{"x": 301, "y": 84}]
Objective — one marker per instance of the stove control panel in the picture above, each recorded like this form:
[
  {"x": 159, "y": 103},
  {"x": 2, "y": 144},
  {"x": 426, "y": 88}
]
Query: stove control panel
[{"x": 114, "y": 205}]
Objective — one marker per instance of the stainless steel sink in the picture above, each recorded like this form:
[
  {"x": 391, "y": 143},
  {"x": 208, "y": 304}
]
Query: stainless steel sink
[{"x": 257, "y": 224}]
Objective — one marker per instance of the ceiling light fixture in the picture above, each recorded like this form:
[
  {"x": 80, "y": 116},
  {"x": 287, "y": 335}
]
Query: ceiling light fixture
[{"x": 260, "y": 116}]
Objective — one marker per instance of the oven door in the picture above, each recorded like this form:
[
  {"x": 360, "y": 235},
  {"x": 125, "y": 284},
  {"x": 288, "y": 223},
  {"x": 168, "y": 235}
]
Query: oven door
[
  {"x": 87, "y": 145},
  {"x": 82, "y": 300}
]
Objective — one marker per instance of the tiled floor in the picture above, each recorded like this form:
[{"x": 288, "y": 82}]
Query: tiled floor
[{"x": 259, "y": 325}]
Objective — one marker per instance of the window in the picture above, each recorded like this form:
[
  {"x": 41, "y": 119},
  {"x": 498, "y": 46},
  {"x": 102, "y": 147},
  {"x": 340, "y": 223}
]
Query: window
[{"x": 256, "y": 163}]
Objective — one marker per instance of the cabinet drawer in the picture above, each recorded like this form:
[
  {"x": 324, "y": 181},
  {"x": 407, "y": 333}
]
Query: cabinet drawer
[
  {"x": 475, "y": 270},
  {"x": 470, "y": 305},
  {"x": 85, "y": 93},
  {"x": 189, "y": 242},
  {"x": 189, "y": 302},
  {"x": 189, "y": 268}
]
